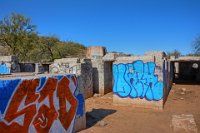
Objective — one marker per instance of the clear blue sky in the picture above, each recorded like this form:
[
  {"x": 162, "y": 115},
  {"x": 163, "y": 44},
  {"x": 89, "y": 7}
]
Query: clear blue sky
[{"x": 130, "y": 26}]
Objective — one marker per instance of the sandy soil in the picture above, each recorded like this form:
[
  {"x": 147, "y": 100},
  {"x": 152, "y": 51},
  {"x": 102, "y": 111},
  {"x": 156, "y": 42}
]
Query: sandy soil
[{"x": 104, "y": 117}]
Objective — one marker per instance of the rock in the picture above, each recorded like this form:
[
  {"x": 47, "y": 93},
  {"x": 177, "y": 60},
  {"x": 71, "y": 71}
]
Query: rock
[
  {"x": 184, "y": 123},
  {"x": 96, "y": 95},
  {"x": 182, "y": 98},
  {"x": 102, "y": 123},
  {"x": 182, "y": 93},
  {"x": 183, "y": 89}
]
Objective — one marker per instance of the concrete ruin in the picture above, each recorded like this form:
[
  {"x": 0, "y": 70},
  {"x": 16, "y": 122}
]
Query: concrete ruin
[
  {"x": 80, "y": 67},
  {"x": 186, "y": 69},
  {"x": 102, "y": 70},
  {"x": 138, "y": 81}
]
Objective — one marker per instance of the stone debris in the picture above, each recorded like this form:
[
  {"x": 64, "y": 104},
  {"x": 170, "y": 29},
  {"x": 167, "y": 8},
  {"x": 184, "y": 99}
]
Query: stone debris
[
  {"x": 183, "y": 89},
  {"x": 102, "y": 123},
  {"x": 96, "y": 95},
  {"x": 184, "y": 123},
  {"x": 182, "y": 93},
  {"x": 182, "y": 98}
]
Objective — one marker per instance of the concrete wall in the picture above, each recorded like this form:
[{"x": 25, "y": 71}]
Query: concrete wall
[
  {"x": 102, "y": 76},
  {"x": 140, "y": 80},
  {"x": 108, "y": 77},
  {"x": 66, "y": 65},
  {"x": 9, "y": 64},
  {"x": 168, "y": 71},
  {"x": 98, "y": 76},
  {"x": 41, "y": 104},
  {"x": 96, "y": 52},
  {"x": 85, "y": 79},
  {"x": 81, "y": 67}
]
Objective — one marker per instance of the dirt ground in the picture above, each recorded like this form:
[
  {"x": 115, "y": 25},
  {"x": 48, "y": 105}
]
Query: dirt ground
[{"x": 104, "y": 117}]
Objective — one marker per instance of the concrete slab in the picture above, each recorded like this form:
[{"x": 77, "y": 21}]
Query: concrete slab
[{"x": 184, "y": 123}]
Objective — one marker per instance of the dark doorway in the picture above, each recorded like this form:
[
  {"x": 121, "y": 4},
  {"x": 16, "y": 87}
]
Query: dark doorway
[{"x": 186, "y": 72}]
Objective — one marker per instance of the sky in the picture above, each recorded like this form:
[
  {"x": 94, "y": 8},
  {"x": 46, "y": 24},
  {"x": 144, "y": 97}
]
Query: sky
[{"x": 129, "y": 26}]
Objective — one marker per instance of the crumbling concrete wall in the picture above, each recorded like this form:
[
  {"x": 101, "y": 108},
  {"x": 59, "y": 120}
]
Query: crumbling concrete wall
[
  {"x": 98, "y": 76},
  {"x": 102, "y": 68},
  {"x": 140, "y": 80},
  {"x": 41, "y": 104},
  {"x": 81, "y": 67},
  {"x": 85, "y": 79},
  {"x": 95, "y": 52}
]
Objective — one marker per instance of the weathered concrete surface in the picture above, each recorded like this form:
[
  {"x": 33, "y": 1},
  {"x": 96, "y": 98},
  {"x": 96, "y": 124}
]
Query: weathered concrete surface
[
  {"x": 142, "y": 80},
  {"x": 85, "y": 79},
  {"x": 110, "y": 57},
  {"x": 66, "y": 65},
  {"x": 102, "y": 76},
  {"x": 81, "y": 67},
  {"x": 138, "y": 103},
  {"x": 184, "y": 123},
  {"x": 96, "y": 52},
  {"x": 186, "y": 58},
  {"x": 51, "y": 103}
]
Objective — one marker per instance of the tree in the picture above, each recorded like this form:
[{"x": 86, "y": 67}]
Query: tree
[
  {"x": 196, "y": 46},
  {"x": 48, "y": 47},
  {"x": 18, "y": 34},
  {"x": 71, "y": 49},
  {"x": 19, "y": 37},
  {"x": 175, "y": 53}
]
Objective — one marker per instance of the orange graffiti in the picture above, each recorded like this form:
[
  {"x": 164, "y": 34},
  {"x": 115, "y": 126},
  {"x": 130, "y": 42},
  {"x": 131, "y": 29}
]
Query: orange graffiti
[
  {"x": 34, "y": 111},
  {"x": 25, "y": 90},
  {"x": 63, "y": 94},
  {"x": 46, "y": 115}
]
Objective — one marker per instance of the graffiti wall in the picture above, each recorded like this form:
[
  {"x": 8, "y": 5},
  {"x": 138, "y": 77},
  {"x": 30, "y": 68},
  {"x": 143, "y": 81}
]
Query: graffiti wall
[
  {"x": 43, "y": 104},
  {"x": 4, "y": 69},
  {"x": 137, "y": 80}
]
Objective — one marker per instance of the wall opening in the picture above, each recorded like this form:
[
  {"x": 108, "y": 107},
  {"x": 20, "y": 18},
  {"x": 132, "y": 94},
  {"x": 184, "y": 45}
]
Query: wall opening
[
  {"x": 108, "y": 77},
  {"x": 186, "y": 72}
]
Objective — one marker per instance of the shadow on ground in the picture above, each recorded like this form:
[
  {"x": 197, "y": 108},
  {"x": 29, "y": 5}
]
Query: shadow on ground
[{"x": 97, "y": 115}]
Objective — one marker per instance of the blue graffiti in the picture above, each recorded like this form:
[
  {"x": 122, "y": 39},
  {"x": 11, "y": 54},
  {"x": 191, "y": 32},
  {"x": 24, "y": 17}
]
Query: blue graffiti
[
  {"x": 80, "y": 109},
  {"x": 4, "y": 69},
  {"x": 7, "y": 88},
  {"x": 137, "y": 80}
]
